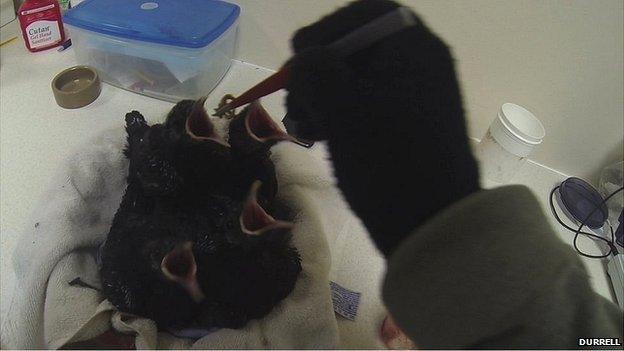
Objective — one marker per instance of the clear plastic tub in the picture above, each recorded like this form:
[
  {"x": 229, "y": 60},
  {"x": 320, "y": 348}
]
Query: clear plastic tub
[
  {"x": 161, "y": 71},
  {"x": 141, "y": 47}
]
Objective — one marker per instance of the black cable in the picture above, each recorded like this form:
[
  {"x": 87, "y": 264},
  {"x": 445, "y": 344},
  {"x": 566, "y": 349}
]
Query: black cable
[
  {"x": 79, "y": 282},
  {"x": 614, "y": 249},
  {"x": 552, "y": 208},
  {"x": 577, "y": 232}
]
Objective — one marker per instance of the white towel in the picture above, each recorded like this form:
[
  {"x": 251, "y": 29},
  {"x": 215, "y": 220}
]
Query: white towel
[{"x": 74, "y": 218}]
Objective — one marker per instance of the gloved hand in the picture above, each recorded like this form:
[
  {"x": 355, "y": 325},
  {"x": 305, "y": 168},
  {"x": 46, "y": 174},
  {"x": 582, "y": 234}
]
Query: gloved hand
[{"x": 393, "y": 118}]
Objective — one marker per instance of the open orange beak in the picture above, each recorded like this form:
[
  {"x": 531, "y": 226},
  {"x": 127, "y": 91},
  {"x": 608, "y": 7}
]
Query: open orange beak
[
  {"x": 179, "y": 266},
  {"x": 261, "y": 127},
  {"x": 254, "y": 220},
  {"x": 199, "y": 127}
]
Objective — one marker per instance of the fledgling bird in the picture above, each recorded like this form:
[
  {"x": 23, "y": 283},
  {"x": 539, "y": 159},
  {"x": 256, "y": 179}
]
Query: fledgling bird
[
  {"x": 238, "y": 149},
  {"x": 140, "y": 236},
  {"x": 253, "y": 131},
  {"x": 150, "y": 149},
  {"x": 201, "y": 156},
  {"x": 182, "y": 257},
  {"x": 245, "y": 276},
  {"x": 204, "y": 158},
  {"x": 189, "y": 148}
]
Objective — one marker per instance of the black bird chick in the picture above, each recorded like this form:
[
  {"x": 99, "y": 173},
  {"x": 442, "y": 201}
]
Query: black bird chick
[
  {"x": 211, "y": 160},
  {"x": 220, "y": 269},
  {"x": 140, "y": 236},
  {"x": 182, "y": 258},
  {"x": 253, "y": 131},
  {"x": 151, "y": 152},
  {"x": 188, "y": 149},
  {"x": 243, "y": 276},
  {"x": 239, "y": 151},
  {"x": 185, "y": 148},
  {"x": 202, "y": 157}
]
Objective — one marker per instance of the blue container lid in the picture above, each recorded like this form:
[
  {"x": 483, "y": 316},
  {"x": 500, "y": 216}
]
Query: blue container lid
[{"x": 186, "y": 23}]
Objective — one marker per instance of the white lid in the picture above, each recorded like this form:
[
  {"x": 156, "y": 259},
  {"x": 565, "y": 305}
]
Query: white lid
[{"x": 522, "y": 123}]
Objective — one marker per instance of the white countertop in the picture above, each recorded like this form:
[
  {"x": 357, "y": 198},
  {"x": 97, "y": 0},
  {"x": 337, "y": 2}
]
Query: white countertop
[{"x": 36, "y": 135}]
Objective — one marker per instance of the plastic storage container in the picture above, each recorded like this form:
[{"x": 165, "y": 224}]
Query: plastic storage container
[
  {"x": 511, "y": 137},
  {"x": 167, "y": 49}
]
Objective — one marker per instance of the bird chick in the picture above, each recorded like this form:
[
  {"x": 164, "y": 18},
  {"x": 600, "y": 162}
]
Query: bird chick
[
  {"x": 221, "y": 268},
  {"x": 142, "y": 234},
  {"x": 154, "y": 165},
  {"x": 210, "y": 155},
  {"x": 238, "y": 149},
  {"x": 263, "y": 256},
  {"x": 253, "y": 131},
  {"x": 182, "y": 257}
]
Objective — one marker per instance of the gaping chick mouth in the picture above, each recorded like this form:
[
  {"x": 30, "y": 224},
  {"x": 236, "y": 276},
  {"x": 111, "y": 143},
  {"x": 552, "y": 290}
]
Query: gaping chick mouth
[
  {"x": 254, "y": 220},
  {"x": 261, "y": 127},
  {"x": 179, "y": 266},
  {"x": 199, "y": 127}
]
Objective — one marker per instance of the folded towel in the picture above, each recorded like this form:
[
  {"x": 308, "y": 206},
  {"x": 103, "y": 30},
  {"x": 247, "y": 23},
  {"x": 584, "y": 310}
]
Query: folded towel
[{"x": 74, "y": 218}]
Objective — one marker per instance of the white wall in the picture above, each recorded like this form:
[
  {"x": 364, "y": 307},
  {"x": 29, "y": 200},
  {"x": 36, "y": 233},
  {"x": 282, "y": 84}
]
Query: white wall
[{"x": 562, "y": 59}]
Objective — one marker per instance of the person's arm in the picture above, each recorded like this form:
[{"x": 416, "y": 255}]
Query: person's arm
[{"x": 489, "y": 272}]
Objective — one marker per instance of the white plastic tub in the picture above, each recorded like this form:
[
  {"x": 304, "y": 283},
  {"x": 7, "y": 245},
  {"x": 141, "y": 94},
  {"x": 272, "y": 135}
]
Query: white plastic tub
[
  {"x": 510, "y": 139},
  {"x": 157, "y": 48}
]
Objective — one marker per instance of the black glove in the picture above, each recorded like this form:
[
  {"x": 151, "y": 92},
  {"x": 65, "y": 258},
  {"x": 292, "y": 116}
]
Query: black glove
[{"x": 393, "y": 118}]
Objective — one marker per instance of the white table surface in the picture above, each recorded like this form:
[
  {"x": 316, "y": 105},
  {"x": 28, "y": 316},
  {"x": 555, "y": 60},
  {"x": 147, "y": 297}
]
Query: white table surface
[{"x": 36, "y": 135}]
